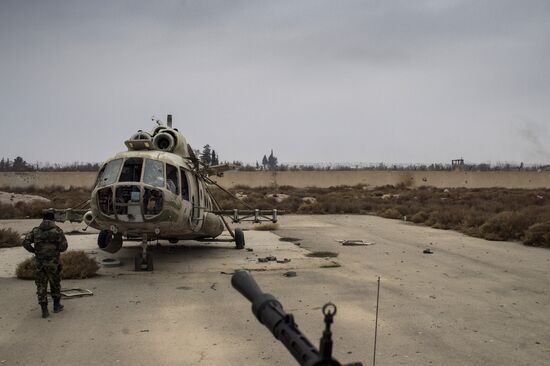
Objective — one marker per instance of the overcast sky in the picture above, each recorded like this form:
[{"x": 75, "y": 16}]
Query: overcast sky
[{"x": 317, "y": 81}]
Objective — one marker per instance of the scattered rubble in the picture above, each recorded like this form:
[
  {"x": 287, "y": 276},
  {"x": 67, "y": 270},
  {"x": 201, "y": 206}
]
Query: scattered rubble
[{"x": 273, "y": 259}]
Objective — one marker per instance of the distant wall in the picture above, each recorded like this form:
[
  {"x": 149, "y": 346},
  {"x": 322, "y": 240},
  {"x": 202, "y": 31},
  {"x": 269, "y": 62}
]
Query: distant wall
[
  {"x": 444, "y": 179},
  {"x": 320, "y": 179}
]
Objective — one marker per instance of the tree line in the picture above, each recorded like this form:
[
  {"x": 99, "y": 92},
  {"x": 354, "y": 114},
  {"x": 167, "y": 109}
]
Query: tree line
[
  {"x": 270, "y": 162},
  {"x": 18, "y": 164}
]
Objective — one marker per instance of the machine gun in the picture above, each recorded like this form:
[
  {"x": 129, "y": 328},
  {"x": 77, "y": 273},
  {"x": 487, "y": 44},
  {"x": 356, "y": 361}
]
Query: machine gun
[{"x": 270, "y": 313}]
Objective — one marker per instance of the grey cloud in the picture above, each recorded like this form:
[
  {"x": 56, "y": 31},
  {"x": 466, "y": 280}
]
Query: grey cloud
[{"x": 373, "y": 80}]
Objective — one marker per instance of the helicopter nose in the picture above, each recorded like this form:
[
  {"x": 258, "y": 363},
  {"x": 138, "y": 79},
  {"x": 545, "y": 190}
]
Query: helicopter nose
[{"x": 128, "y": 203}]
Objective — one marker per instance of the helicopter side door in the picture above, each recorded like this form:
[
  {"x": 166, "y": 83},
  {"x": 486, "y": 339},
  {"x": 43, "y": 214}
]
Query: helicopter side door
[{"x": 196, "y": 195}]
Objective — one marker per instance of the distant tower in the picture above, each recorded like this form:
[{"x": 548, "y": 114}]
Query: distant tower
[{"x": 458, "y": 164}]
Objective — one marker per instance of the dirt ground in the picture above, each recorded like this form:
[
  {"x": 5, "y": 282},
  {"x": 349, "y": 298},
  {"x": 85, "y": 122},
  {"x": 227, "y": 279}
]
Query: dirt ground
[{"x": 471, "y": 302}]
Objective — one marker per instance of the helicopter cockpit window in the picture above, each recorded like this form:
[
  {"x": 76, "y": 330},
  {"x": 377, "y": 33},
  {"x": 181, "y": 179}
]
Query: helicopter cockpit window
[
  {"x": 154, "y": 173},
  {"x": 99, "y": 175},
  {"x": 131, "y": 171},
  {"x": 184, "y": 186},
  {"x": 172, "y": 179},
  {"x": 109, "y": 173}
]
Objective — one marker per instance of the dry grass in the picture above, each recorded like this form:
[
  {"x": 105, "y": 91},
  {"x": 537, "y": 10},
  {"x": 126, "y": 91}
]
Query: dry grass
[
  {"x": 492, "y": 213},
  {"x": 76, "y": 265},
  {"x": 59, "y": 197},
  {"x": 9, "y": 238}
]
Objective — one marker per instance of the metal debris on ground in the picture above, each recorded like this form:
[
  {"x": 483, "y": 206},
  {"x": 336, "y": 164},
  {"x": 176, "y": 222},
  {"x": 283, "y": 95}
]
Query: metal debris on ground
[
  {"x": 428, "y": 251},
  {"x": 111, "y": 262},
  {"x": 355, "y": 242},
  {"x": 75, "y": 292},
  {"x": 290, "y": 274},
  {"x": 285, "y": 260}
]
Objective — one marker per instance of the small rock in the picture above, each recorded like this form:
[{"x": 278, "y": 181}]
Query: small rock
[
  {"x": 428, "y": 251},
  {"x": 290, "y": 274}
]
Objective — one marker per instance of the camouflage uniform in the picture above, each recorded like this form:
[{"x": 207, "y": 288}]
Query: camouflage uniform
[{"x": 49, "y": 241}]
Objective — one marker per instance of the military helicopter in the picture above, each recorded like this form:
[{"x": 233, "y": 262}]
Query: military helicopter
[{"x": 158, "y": 190}]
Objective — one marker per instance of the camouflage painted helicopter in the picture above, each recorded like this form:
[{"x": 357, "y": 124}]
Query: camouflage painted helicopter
[{"x": 158, "y": 189}]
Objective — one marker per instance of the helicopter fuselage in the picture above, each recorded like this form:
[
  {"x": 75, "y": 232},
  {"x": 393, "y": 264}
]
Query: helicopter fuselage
[{"x": 154, "y": 194}]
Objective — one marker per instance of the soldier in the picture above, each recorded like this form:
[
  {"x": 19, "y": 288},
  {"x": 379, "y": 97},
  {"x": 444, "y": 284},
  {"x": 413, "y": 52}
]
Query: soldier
[{"x": 49, "y": 241}]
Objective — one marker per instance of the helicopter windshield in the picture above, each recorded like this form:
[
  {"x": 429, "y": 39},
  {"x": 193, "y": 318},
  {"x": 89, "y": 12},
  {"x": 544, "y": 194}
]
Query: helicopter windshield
[
  {"x": 154, "y": 173},
  {"x": 109, "y": 173}
]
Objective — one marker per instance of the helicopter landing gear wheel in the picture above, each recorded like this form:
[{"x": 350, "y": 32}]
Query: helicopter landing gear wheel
[{"x": 239, "y": 239}]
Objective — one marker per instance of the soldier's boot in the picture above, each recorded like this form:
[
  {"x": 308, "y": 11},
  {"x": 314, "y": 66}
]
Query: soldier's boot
[
  {"x": 57, "y": 307},
  {"x": 45, "y": 312}
]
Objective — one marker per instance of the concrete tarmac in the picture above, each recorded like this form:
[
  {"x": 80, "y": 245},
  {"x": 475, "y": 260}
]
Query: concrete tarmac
[{"x": 471, "y": 302}]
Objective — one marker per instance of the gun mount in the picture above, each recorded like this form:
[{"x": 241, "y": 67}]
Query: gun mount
[{"x": 269, "y": 311}]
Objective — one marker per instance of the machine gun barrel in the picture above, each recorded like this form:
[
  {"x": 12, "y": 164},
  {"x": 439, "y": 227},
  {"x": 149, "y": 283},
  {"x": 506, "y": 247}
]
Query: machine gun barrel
[{"x": 270, "y": 313}]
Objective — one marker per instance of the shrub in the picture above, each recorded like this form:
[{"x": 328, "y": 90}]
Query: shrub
[
  {"x": 420, "y": 217},
  {"x": 26, "y": 270},
  {"x": 391, "y": 213},
  {"x": 506, "y": 225},
  {"x": 446, "y": 219},
  {"x": 75, "y": 263},
  {"x": 538, "y": 235},
  {"x": 9, "y": 238}
]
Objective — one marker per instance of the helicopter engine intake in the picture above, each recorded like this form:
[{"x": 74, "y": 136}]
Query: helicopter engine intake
[{"x": 164, "y": 141}]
